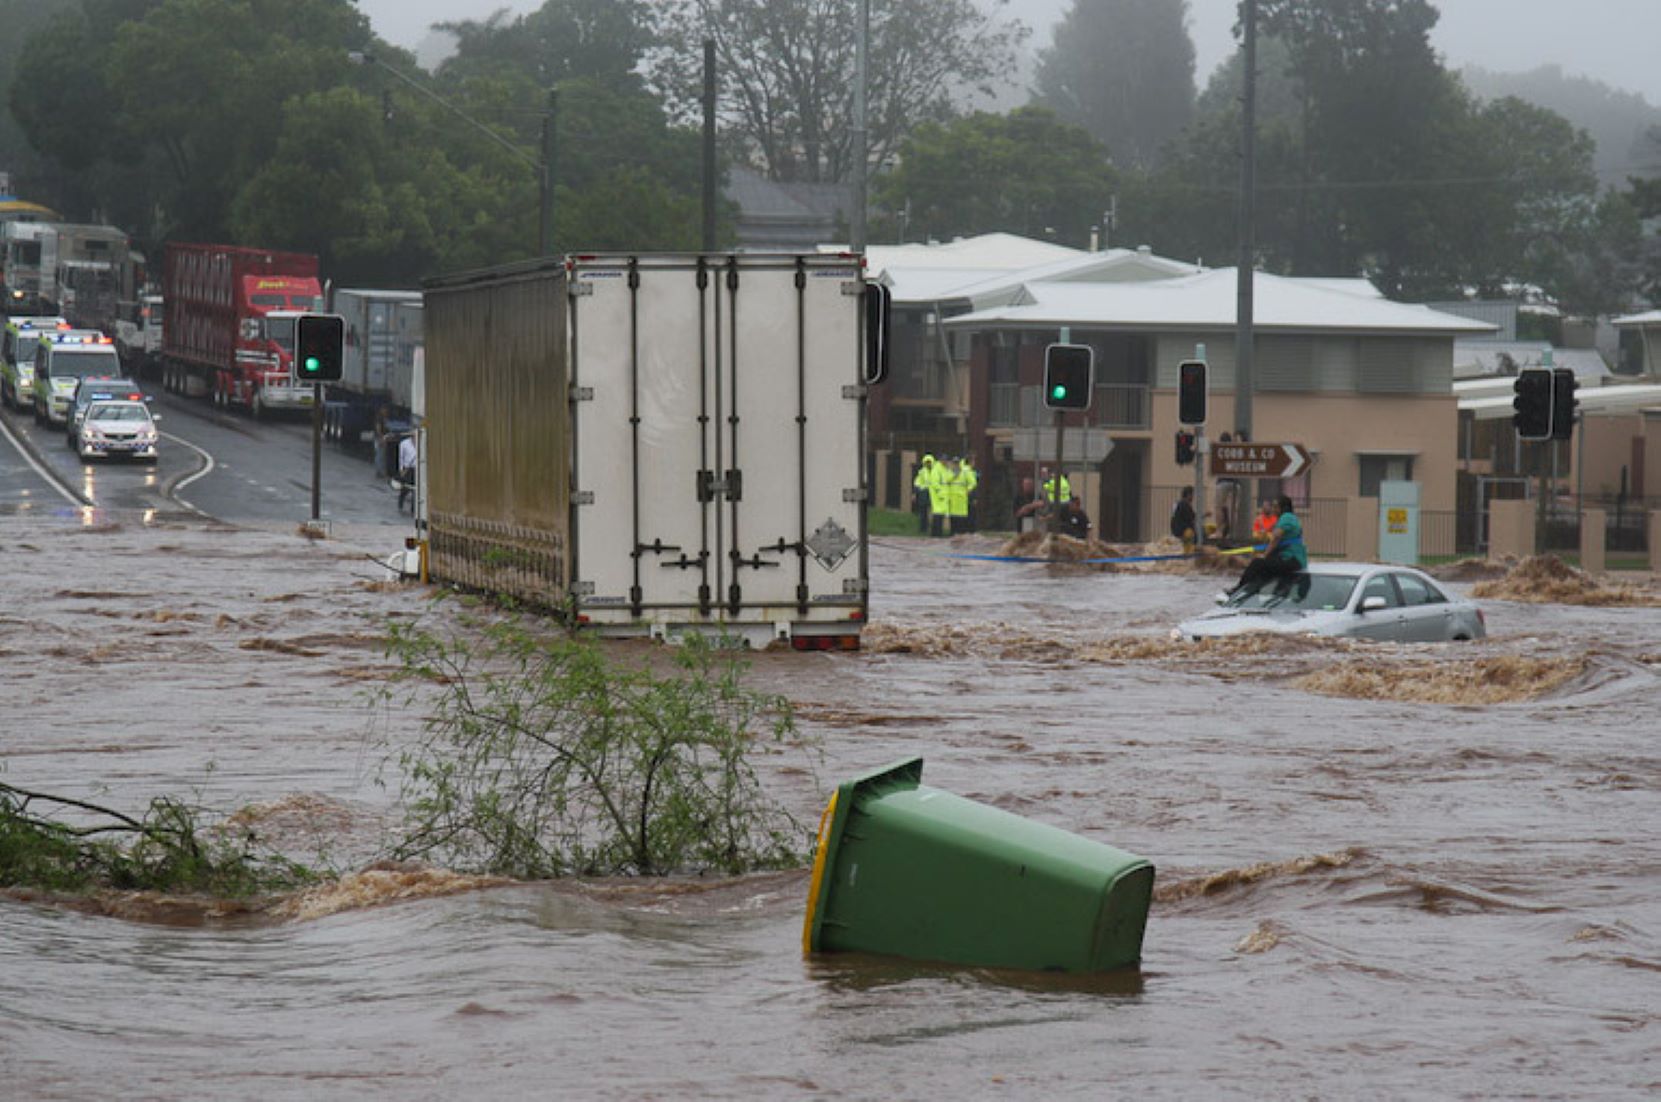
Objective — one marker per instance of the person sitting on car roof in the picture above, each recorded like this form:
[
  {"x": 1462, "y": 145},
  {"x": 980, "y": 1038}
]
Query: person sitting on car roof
[{"x": 1286, "y": 554}]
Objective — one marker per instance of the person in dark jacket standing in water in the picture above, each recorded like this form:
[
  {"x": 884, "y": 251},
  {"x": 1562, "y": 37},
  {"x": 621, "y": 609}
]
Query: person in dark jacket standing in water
[
  {"x": 1183, "y": 525},
  {"x": 1285, "y": 556}
]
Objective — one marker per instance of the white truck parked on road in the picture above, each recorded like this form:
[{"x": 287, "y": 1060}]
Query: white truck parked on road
[{"x": 657, "y": 444}]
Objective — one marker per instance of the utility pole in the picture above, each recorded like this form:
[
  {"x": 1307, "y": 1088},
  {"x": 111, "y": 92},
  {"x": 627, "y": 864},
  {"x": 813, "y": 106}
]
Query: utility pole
[
  {"x": 709, "y": 145},
  {"x": 861, "y": 151},
  {"x": 549, "y": 119},
  {"x": 1244, "y": 377}
]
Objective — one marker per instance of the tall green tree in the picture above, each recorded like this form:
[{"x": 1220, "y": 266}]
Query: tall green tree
[
  {"x": 1373, "y": 159},
  {"x": 1123, "y": 70},
  {"x": 21, "y": 19},
  {"x": 787, "y": 73},
  {"x": 603, "y": 41},
  {"x": 1026, "y": 172}
]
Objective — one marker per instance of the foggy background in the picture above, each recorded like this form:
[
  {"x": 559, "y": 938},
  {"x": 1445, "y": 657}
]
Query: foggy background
[{"x": 1609, "y": 40}]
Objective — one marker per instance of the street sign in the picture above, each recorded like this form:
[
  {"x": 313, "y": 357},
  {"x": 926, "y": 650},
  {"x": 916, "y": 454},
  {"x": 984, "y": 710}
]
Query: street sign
[
  {"x": 1077, "y": 446},
  {"x": 1259, "y": 460}
]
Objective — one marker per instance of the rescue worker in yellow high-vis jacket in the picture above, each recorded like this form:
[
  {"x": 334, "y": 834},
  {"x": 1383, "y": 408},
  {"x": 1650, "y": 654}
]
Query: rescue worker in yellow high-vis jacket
[
  {"x": 1050, "y": 493},
  {"x": 920, "y": 493},
  {"x": 957, "y": 497},
  {"x": 939, "y": 499},
  {"x": 972, "y": 478}
]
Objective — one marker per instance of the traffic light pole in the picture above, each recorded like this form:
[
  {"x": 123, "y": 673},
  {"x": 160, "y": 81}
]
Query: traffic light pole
[
  {"x": 1201, "y": 450},
  {"x": 317, "y": 452},
  {"x": 1056, "y": 477}
]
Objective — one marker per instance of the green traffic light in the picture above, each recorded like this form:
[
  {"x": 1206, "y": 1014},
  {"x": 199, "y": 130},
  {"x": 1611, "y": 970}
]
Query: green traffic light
[
  {"x": 1058, "y": 392},
  {"x": 312, "y": 364}
]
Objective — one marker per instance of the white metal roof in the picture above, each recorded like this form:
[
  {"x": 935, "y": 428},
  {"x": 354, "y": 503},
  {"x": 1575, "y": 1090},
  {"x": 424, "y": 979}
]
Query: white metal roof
[
  {"x": 1653, "y": 317},
  {"x": 988, "y": 252},
  {"x": 1208, "y": 301},
  {"x": 1596, "y": 399},
  {"x": 1107, "y": 266},
  {"x": 1496, "y": 362}
]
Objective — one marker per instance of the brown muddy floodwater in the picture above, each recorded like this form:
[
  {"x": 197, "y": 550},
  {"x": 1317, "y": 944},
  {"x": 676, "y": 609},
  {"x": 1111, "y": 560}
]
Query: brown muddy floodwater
[{"x": 1423, "y": 871}]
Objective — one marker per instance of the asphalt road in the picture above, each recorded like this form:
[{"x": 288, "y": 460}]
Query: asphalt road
[{"x": 222, "y": 464}]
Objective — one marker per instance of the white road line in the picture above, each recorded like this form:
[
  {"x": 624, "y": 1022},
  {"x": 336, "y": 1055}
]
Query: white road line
[
  {"x": 50, "y": 477},
  {"x": 207, "y": 469}
]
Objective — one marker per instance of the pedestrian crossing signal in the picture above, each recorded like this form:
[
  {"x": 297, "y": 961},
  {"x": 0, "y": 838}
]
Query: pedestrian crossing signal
[
  {"x": 1563, "y": 403},
  {"x": 1533, "y": 403},
  {"x": 1069, "y": 376},
  {"x": 319, "y": 348}
]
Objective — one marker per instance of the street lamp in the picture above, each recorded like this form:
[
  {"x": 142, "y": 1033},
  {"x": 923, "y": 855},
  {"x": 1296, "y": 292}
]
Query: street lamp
[{"x": 544, "y": 168}]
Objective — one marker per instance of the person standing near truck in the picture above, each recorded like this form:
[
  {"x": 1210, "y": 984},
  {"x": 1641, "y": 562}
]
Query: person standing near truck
[{"x": 407, "y": 455}]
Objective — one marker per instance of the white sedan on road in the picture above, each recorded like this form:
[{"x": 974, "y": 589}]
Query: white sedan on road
[{"x": 1354, "y": 600}]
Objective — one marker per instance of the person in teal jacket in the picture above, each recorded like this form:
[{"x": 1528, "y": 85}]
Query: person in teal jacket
[{"x": 1286, "y": 554}]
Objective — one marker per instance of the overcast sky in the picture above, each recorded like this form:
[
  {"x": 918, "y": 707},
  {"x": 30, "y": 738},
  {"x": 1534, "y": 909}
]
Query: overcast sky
[{"x": 1611, "y": 40}]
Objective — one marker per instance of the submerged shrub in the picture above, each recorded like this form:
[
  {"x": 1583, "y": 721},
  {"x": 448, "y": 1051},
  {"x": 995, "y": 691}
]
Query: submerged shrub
[
  {"x": 540, "y": 756},
  {"x": 168, "y": 849}
]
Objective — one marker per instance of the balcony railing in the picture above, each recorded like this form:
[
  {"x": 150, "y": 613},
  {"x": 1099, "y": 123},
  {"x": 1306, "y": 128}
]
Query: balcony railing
[{"x": 1114, "y": 406}]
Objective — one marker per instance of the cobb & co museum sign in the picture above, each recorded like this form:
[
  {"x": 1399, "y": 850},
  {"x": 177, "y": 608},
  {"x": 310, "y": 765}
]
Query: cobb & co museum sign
[{"x": 1259, "y": 460}]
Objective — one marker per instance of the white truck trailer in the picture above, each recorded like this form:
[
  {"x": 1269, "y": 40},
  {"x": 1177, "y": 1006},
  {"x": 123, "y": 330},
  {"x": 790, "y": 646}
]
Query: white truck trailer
[
  {"x": 657, "y": 444},
  {"x": 383, "y": 338}
]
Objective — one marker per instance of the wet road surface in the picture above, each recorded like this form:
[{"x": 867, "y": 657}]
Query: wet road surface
[{"x": 1356, "y": 897}]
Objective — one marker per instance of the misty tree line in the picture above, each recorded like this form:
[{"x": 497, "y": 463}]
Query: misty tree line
[{"x": 244, "y": 120}]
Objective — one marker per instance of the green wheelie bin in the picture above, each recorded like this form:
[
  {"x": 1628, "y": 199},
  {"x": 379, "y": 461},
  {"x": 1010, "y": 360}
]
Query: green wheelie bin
[{"x": 912, "y": 871}]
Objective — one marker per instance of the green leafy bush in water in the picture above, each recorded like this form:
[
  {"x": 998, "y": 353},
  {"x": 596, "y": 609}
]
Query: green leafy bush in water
[
  {"x": 167, "y": 850},
  {"x": 541, "y": 757}
]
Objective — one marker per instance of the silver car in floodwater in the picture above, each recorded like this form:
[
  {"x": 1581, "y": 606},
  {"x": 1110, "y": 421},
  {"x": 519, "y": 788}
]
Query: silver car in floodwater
[{"x": 1393, "y": 604}]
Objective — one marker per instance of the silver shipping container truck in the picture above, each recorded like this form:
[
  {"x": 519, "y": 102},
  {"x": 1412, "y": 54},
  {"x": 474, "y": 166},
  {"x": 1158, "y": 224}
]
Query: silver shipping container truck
[
  {"x": 653, "y": 444},
  {"x": 383, "y": 335}
]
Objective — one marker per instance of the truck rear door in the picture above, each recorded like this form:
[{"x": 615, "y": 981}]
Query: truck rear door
[{"x": 717, "y": 442}]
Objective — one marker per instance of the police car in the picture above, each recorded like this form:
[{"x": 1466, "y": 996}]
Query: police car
[
  {"x": 116, "y": 428},
  {"x": 62, "y": 359},
  {"x": 97, "y": 389}
]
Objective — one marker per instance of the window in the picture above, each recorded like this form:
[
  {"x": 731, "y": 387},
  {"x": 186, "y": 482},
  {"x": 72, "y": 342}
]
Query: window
[
  {"x": 1383, "y": 468},
  {"x": 1415, "y": 591},
  {"x": 1380, "y": 585}
]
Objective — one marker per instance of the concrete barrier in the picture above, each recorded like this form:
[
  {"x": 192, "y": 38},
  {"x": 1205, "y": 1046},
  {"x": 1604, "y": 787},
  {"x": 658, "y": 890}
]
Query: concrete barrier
[
  {"x": 1510, "y": 529},
  {"x": 1594, "y": 531}
]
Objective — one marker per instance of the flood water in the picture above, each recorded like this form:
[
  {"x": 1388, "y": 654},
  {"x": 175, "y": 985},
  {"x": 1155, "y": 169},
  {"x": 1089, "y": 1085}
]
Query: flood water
[{"x": 1385, "y": 897}]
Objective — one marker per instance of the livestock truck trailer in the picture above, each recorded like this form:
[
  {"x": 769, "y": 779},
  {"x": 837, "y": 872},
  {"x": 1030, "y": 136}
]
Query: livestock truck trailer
[
  {"x": 230, "y": 326},
  {"x": 652, "y": 445}
]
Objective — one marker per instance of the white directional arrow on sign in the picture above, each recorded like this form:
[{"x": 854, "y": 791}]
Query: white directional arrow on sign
[{"x": 1259, "y": 460}]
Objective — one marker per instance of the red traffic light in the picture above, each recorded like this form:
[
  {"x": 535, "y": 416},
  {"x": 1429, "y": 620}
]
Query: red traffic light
[{"x": 1191, "y": 392}]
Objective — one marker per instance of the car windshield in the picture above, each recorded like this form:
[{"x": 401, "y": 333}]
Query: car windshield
[
  {"x": 1299, "y": 593},
  {"x": 117, "y": 411},
  {"x": 79, "y": 365}
]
